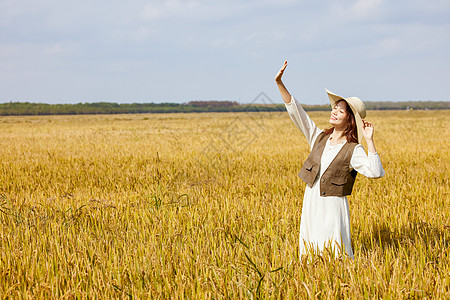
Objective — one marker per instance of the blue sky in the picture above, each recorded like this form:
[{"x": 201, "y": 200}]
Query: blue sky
[{"x": 66, "y": 51}]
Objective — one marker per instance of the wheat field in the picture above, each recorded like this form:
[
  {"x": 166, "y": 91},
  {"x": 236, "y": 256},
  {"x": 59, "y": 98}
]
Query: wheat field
[{"x": 208, "y": 206}]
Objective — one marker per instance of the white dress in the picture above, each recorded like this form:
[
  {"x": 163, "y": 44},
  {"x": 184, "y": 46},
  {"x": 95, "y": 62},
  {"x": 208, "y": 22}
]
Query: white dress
[{"x": 326, "y": 220}]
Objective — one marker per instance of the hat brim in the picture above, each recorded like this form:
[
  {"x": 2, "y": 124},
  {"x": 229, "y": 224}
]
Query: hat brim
[{"x": 359, "y": 123}]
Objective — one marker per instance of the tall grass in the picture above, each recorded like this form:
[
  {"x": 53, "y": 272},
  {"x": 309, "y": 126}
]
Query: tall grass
[{"x": 209, "y": 206}]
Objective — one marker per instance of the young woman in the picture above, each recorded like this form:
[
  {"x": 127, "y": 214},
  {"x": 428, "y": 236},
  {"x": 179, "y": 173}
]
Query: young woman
[{"x": 330, "y": 169}]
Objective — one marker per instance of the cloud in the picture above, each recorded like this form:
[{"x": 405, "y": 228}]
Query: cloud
[
  {"x": 365, "y": 8},
  {"x": 168, "y": 9},
  {"x": 409, "y": 41},
  {"x": 100, "y": 43}
]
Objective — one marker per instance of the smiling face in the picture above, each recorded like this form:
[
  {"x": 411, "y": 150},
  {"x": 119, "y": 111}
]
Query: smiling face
[{"x": 339, "y": 118}]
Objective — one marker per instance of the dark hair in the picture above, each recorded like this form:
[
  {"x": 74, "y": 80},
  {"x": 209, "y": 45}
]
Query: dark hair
[{"x": 350, "y": 132}]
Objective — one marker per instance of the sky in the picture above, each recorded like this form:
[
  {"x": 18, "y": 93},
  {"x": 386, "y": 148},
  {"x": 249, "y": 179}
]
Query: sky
[{"x": 67, "y": 51}]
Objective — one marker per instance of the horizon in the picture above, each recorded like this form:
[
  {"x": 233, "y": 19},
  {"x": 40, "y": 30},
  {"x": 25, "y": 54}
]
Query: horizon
[{"x": 239, "y": 103}]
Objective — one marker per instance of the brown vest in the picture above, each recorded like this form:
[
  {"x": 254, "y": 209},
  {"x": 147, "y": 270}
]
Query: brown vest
[{"x": 338, "y": 179}]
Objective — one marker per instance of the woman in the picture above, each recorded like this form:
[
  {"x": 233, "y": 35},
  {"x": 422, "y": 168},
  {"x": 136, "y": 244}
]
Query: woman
[{"x": 330, "y": 169}]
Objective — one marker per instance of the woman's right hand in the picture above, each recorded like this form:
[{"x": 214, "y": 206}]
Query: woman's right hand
[{"x": 280, "y": 73}]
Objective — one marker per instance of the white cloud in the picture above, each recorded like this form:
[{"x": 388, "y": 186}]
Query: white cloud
[
  {"x": 168, "y": 8},
  {"x": 365, "y": 8},
  {"x": 409, "y": 41},
  {"x": 385, "y": 48},
  {"x": 61, "y": 48},
  {"x": 119, "y": 40},
  {"x": 224, "y": 42}
]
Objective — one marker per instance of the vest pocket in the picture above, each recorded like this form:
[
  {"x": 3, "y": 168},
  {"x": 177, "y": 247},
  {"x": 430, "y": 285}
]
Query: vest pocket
[
  {"x": 309, "y": 164},
  {"x": 338, "y": 180}
]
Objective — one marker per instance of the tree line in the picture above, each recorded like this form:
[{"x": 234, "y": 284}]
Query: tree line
[{"x": 27, "y": 108}]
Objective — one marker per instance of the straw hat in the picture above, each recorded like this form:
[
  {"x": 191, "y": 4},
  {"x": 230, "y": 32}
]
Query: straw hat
[{"x": 356, "y": 105}]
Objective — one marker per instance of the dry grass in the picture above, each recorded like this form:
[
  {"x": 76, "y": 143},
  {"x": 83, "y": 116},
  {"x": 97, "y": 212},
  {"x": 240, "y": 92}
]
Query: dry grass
[{"x": 209, "y": 206}]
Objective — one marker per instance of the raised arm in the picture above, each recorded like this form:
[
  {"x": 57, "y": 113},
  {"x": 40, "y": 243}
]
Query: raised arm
[
  {"x": 296, "y": 111},
  {"x": 368, "y": 135},
  {"x": 368, "y": 165},
  {"x": 283, "y": 90}
]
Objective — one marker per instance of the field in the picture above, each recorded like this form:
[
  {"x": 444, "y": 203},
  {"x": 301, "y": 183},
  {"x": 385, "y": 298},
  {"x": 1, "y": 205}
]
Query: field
[{"x": 208, "y": 206}]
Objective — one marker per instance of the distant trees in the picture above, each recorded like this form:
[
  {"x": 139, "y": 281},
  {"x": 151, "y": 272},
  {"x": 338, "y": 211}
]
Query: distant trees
[
  {"x": 27, "y": 108},
  {"x": 212, "y": 103},
  {"x": 408, "y": 105}
]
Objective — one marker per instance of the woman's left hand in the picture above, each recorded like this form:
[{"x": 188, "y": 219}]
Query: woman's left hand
[{"x": 367, "y": 130}]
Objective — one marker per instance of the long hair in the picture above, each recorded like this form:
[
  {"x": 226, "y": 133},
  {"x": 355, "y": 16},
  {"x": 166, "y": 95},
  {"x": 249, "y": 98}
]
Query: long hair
[{"x": 350, "y": 132}]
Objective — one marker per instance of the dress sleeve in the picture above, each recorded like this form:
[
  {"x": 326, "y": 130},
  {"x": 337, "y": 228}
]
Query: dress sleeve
[
  {"x": 303, "y": 121},
  {"x": 368, "y": 165}
]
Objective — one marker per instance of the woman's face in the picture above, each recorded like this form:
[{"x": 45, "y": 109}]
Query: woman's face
[{"x": 338, "y": 118}]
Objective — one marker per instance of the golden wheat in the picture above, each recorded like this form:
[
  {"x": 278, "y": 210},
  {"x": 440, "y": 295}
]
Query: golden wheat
[{"x": 209, "y": 205}]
